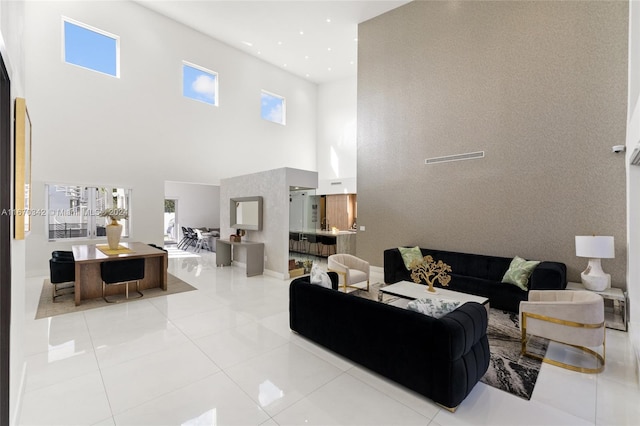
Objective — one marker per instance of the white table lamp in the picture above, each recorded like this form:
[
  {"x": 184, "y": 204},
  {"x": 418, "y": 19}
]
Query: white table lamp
[{"x": 595, "y": 248}]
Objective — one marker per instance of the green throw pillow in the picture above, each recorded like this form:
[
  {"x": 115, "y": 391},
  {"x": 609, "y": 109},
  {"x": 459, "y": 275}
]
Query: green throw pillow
[
  {"x": 519, "y": 272},
  {"x": 409, "y": 254}
]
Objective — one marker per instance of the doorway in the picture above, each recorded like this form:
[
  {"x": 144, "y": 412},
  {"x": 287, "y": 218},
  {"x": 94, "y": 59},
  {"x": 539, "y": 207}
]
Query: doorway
[
  {"x": 170, "y": 222},
  {"x": 304, "y": 222}
]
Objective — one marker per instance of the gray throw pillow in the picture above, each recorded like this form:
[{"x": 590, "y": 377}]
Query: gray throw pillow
[
  {"x": 319, "y": 277},
  {"x": 436, "y": 308}
]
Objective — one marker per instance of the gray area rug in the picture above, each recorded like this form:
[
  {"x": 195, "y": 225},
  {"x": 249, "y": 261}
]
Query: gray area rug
[
  {"x": 508, "y": 369},
  {"x": 66, "y": 303}
]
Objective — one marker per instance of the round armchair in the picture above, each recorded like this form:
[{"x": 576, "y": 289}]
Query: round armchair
[
  {"x": 353, "y": 270},
  {"x": 574, "y": 318}
]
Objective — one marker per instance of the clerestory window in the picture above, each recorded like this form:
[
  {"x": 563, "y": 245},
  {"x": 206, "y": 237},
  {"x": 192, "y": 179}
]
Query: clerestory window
[
  {"x": 90, "y": 48},
  {"x": 273, "y": 107},
  {"x": 199, "y": 83}
]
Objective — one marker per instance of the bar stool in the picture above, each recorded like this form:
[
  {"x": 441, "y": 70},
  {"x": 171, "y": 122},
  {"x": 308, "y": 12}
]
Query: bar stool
[
  {"x": 312, "y": 240},
  {"x": 329, "y": 243},
  {"x": 294, "y": 241}
]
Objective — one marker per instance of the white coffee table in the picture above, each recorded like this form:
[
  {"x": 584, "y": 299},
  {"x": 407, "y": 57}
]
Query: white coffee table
[{"x": 412, "y": 291}]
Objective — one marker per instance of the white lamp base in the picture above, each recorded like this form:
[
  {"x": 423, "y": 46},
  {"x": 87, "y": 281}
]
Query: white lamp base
[{"x": 594, "y": 278}]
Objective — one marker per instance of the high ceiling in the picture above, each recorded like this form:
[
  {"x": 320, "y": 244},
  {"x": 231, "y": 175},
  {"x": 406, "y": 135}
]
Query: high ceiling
[{"x": 316, "y": 40}]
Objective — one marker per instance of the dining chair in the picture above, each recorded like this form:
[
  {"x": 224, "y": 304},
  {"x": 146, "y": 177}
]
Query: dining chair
[
  {"x": 122, "y": 272},
  {"x": 62, "y": 272}
]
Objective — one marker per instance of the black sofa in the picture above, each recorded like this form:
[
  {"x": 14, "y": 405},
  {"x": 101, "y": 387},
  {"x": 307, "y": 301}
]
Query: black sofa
[
  {"x": 441, "y": 359},
  {"x": 481, "y": 275}
]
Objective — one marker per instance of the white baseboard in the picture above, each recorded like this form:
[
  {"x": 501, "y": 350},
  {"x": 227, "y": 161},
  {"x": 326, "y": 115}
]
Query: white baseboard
[
  {"x": 634, "y": 337},
  {"x": 376, "y": 269},
  {"x": 275, "y": 274}
]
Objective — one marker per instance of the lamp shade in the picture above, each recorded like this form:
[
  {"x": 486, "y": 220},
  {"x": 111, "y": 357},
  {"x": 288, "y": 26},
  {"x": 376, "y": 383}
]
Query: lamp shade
[{"x": 594, "y": 246}]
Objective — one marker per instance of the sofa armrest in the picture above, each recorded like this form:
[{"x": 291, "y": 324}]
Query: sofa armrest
[
  {"x": 334, "y": 279},
  {"x": 549, "y": 276},
  {"x": 394, "y": 269},
  {"x": 459, "y": 331},
  {"x": 332, "y": 275}
]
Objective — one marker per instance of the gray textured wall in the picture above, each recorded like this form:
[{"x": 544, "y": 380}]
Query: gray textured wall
[
  {"x": 541, "y": 87},
  {"x": 272, "y": 187}
]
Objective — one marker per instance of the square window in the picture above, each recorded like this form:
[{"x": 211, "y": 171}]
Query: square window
[
  {"x": 73, "y": 210},
  {"x": 91, "y": 48},
  {"x": 273, "y": 107},
  {"x": 199, "y": 83}
]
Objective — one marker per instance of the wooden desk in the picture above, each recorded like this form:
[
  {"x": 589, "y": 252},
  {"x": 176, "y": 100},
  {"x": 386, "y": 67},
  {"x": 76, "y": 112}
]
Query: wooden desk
[
  {"x": 255, "y": 255},
  {"x": 88, "y": 259}
]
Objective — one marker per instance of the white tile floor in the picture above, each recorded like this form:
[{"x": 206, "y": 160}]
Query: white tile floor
[{"x": 224, "y": 355}]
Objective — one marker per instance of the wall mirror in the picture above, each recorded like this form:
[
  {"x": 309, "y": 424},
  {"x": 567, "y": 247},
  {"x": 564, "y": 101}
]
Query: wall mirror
[{"x": 246, "y": 213}]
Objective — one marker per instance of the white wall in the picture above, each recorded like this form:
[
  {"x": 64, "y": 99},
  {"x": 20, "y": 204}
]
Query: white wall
[
  {"x": 337, "y": 150},
  {"x": 138, "y": 131},
  {"x": 198, "y": 205}
]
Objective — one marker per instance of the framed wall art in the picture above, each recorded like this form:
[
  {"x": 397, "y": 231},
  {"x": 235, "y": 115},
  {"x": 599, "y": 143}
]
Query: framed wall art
[{"x": 22, "y": 167}]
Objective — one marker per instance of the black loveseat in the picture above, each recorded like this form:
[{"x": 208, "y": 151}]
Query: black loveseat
[
  {"x": 481, "y": 275},
  {"x": 441, "y": 359}
]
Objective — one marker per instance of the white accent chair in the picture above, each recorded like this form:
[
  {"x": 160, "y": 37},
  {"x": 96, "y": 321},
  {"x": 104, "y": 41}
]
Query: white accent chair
[
  {"x": 201, "y": 241},
  {"x": 352, "y": 269},
  {"x": 571, "y": 317}
]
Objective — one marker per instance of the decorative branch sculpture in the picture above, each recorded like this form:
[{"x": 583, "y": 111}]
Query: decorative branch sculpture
[{"x": 429, "y": 271}]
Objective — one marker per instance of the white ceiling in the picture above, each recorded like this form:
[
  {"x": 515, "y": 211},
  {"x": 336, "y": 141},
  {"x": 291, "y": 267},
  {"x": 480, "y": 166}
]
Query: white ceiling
[{"x": 316, "y": 40}]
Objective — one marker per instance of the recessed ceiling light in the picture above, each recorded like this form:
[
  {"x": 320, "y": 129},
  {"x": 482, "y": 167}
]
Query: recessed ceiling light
[
  {"x": 301, "y": 32},
  {"x": 352, "y": 62},
  {"x": 306, "y": 75},
  {"x": 355, "y": 39},
  {"x": 329, "y": 49},
  {"x": 328, "y": 20},
  {"x": 329, "y": 69},
  {"x": 284, "y": 65},
  {"x": 247, "y": 43},
  {"x": 279, "y": 43},
  {"x": 306, "y": 57}
]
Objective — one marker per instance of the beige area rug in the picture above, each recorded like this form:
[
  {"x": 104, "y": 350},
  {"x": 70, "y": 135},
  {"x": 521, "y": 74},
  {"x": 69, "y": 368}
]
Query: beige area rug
[{"x": 66, "y": 303}]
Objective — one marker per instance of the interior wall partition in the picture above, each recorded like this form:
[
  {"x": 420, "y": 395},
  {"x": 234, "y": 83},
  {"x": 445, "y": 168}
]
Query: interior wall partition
[{"x": 5, "y": 241}]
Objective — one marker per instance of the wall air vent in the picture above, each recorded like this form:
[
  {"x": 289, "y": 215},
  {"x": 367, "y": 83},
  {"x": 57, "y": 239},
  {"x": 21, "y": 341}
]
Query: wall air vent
[
  {"x": 635, "y": 157},
  {"x": 336, "y": 183},
  {"x": 455, "y": 157}
]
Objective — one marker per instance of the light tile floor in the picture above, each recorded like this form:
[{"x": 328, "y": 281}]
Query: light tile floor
[{"x": 224, "y": 355}]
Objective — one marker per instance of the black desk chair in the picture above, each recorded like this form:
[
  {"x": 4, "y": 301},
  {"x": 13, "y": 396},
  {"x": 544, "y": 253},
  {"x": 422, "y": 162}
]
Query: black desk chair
[
  {"x": 62, "y": 272},
  {"x": 122, "y": 272}
]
